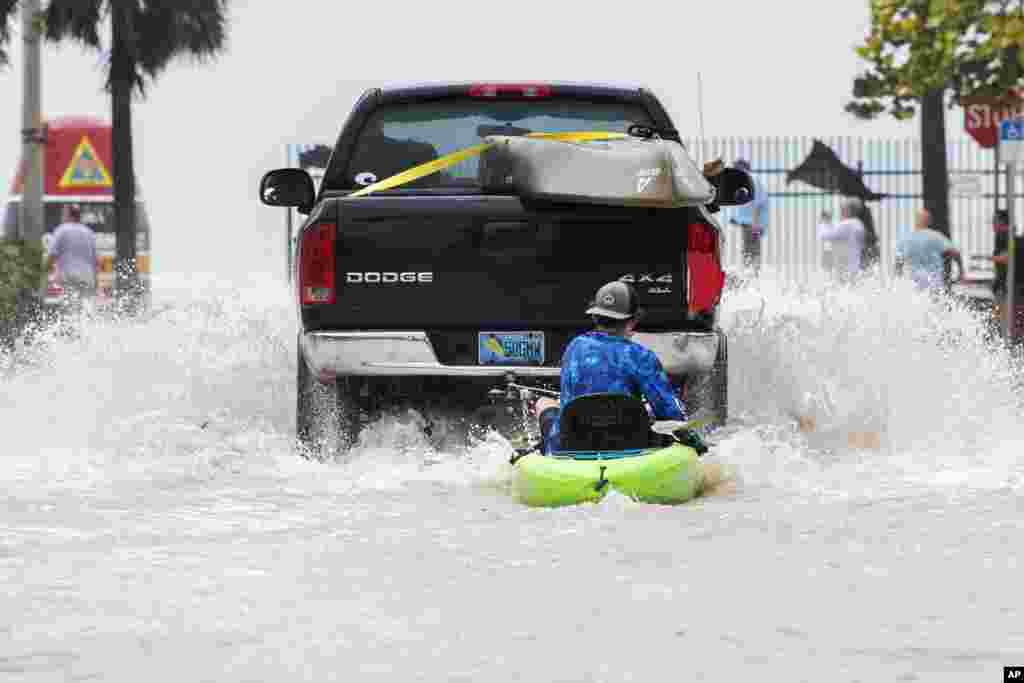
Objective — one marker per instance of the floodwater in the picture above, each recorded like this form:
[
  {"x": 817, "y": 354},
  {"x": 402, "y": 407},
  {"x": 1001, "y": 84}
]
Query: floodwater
[{"x": 155, "y": 525}]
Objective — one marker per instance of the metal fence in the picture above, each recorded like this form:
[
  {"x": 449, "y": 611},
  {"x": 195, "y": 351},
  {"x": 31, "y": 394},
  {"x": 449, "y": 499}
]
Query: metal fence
[{"x": 889, "y": 166}]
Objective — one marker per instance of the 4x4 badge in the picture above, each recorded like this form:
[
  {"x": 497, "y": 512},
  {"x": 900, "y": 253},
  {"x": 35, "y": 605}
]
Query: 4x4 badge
[{"x": 643, "y": 278}]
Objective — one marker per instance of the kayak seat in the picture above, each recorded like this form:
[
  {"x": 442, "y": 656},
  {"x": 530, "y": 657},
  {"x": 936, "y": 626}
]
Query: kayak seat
[{"x": 604, "y": 422}]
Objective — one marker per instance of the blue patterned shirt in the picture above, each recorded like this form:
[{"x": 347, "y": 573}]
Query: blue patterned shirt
[{"x": 602, "y": 363}]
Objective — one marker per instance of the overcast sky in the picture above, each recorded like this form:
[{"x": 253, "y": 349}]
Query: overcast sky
[{"x": 292, "y": 71}]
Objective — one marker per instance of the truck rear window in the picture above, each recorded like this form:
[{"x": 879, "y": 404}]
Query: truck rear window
[{"x": 402, "y": 136}]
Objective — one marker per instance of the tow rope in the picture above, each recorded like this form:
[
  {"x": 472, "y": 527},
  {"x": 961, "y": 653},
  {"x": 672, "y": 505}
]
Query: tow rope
[{"x": 449, "y": 160}]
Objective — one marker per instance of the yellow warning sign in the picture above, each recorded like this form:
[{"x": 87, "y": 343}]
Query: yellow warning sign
[{"x": 85, "y": 169}]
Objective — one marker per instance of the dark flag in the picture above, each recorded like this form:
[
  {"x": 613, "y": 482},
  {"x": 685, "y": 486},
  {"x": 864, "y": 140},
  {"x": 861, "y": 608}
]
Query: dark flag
[{"x": 823, "y": 169}]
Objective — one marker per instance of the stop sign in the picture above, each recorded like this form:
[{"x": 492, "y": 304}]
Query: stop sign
[{"x": 982, "y": 117}]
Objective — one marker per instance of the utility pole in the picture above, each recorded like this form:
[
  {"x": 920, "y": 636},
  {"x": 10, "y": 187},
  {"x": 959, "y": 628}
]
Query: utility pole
[{"x": 33, "y": 135}]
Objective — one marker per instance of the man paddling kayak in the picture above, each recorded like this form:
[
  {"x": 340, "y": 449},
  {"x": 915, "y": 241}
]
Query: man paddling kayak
[{"x": 606, "y": 361}]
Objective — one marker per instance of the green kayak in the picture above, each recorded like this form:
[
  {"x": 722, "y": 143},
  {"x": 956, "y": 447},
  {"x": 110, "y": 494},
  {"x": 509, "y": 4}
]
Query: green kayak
[{"x": 669, "y": 476}]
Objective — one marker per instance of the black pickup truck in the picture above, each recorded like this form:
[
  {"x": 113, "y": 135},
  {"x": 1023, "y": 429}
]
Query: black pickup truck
[{"x": 435, "y": 291}]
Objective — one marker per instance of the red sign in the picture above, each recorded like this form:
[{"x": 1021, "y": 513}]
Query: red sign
[
  {"x": 78, "y": 158},
  {"x": 982, "y": 118}
]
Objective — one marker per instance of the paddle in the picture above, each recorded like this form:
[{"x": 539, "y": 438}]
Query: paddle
[
  {"x": 670, "y": 427},
  {"x": 683, "y": 432}
]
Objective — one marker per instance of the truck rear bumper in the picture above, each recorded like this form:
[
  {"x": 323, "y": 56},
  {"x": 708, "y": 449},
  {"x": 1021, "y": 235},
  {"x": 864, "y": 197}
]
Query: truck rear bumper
[{"x": 338, "y": 354}]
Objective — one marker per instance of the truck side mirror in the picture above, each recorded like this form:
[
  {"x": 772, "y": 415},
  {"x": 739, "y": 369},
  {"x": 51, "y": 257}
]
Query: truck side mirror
[
  {"x": 288, "y": 187},
  {"x": 734, "y": 187}
]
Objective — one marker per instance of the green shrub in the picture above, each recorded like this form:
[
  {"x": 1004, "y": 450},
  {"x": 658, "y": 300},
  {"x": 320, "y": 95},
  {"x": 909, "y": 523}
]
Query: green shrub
[{"x": 21, "y": 270}]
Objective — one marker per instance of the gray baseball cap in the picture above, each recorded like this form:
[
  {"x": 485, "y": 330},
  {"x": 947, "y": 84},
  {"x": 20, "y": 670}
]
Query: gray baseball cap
[{"x": 614, "y": 300}]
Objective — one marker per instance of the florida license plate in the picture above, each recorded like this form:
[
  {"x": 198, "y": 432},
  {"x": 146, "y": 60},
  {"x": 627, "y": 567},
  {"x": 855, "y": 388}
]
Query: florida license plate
[{"x": 511, "y": 348}]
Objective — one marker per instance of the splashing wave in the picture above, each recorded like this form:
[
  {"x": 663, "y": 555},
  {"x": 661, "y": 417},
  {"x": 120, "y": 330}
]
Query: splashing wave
[{"x": 205, "y": 389}]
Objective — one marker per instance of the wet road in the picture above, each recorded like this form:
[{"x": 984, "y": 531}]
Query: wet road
[{"x": 156, "y": 525}]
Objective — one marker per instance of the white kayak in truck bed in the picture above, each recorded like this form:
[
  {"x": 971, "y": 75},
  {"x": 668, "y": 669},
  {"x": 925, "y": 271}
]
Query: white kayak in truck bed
[{"x": 628, "y": 172}]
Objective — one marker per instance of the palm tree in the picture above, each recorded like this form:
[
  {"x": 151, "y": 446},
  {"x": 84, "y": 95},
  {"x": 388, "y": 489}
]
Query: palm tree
[
  {"x": 8, "y": 8},
  {"x": 145, "y": 36}
]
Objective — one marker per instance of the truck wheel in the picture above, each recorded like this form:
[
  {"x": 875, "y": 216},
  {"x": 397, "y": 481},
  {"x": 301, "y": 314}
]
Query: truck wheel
[
  {"x": 326, "y": 417},
  {"x": 708, "y": 394}
]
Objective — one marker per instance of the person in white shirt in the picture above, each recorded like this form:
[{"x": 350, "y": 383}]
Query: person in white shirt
[
  {"x": 846, "y": 238},
  {"x": 72, "y": 250}
]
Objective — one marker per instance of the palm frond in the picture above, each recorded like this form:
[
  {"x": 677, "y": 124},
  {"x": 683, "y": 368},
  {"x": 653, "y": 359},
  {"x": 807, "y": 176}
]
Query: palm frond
[
  {"x": 8, "y": 10},
  {"x": 168, "y": 29},
  {"x": 151, "y": 34},
  {"x": 78, "y": 20}
]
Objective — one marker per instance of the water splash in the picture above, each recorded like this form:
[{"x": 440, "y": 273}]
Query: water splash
[
  {"x": 206, "y": 388},
  {"x": 918, "y": 379},
  {"x": 155, "y": 512},
  {"x": 203, "y": 382}
]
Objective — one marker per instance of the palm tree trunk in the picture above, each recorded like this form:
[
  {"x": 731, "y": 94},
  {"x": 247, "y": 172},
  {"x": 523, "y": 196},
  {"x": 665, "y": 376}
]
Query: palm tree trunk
[
  {"x": 122, "y": 74},
  {"x": 933, "y": 159}
]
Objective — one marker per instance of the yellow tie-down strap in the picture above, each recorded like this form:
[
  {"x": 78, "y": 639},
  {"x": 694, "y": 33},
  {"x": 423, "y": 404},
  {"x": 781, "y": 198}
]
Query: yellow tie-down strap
[{"x": 449, "y": 160}]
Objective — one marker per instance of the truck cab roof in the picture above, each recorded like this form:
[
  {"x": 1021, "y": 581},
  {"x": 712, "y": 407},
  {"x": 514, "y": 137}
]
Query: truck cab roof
[{"x": 397, "y": 91}]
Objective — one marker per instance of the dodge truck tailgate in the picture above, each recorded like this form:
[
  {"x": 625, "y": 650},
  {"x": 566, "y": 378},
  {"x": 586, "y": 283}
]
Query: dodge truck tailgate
[{"x": 491, "y": 262}]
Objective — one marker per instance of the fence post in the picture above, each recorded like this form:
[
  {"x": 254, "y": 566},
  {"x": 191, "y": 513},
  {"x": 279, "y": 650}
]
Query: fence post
[
  {"x": 1011, "y": 268},
  {"x": 996, "y": 174}
]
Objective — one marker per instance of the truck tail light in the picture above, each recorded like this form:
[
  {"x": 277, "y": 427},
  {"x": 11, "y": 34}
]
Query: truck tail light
[
  {"x": 526, "y": 90},
  {"x": 317, "y": 265},
  {"x": 704, "y": 268}
]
